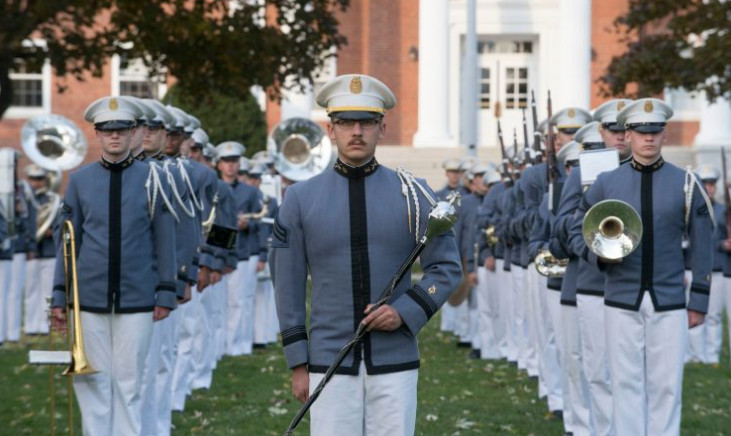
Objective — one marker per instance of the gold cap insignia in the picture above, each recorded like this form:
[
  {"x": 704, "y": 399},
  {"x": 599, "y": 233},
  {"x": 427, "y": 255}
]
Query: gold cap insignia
[
  {"x": 356, "y": 86},
  {"x": 572, "y": 113},
  {"x": 620, "y": 105},
  {"x": 113, "y": 105},
  {"x": 432, "y": 290},
  {"x": 649, "y": 107},
  {"x": 599, "y": 128}
]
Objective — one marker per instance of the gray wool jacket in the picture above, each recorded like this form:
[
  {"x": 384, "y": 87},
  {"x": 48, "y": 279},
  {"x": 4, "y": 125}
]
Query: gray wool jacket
[
  {"x": 126, "y": 259},
  {"x": 656, "y": 192},
  {"x": 348, "y": 227}
]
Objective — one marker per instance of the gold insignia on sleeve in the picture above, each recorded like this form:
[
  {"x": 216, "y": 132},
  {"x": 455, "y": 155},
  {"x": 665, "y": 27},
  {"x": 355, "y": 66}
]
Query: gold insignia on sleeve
[
  {"x": 356, "y": 86},
  {"x": 572, "y": 113},
  {"x": 649, "y": 107},
  {"x": 113, "y": 105},
  {"x": 620, "y": 105},
  {"x": 432, "y": 289}
]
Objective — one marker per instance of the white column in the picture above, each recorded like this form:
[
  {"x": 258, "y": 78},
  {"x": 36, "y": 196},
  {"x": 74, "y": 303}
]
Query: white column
[
  {"x": 470, "y": 93},
  {"x": 715, "y": 126},
  {"x": 575, "y": 55},
  {"x": 297, "y": 104},
  {"x": 433, "y": 106}
]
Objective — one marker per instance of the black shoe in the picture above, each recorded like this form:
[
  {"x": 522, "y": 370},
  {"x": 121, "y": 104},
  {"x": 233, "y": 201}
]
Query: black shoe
[
  {"x": 464, "y": 345},
  {"x": 260, "y": 346},
  {"x": 475, "y": 354},
  {"x": 555, "y": 415}
]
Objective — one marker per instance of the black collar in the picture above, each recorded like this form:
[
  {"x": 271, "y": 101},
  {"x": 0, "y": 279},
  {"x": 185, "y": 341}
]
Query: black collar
[
  {"x": 628, "y": 159},
  {"x": 118, "y": 166},
  {"x": 352, "y": 172},
  {"x": 647, "y": 168}
]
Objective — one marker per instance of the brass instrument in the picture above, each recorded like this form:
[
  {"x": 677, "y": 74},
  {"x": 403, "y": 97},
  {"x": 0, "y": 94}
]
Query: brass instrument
[
  {"x": 79, "y": 363},
  {"x": 548, "y": 266},
  {"x": 612, "y": 229},
  {"x": 300, "y": 149},
  {"x": 490, "y": 236},
  {"x": 255, "y": 216},
  {"x": 55, "y": 144}
]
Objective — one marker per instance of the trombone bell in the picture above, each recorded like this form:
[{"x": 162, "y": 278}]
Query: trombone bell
[
  {"x": 548, "y": 266},
  {"x": 612, "y": 229}
]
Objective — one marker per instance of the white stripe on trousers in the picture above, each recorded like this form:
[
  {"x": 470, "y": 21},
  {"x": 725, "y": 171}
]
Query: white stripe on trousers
[
  {"x": 116, "y": 345},
  {"x": 646, "y": 351},
  {"x": 590, "y": 311},
  {"x": 365, "y": 405},
  {"x": 38, "y": 287},
  {"x": 15, "y": 297}
]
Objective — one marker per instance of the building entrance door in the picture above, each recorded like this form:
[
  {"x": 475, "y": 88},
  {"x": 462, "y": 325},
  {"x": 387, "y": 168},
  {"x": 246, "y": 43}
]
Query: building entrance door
[{"x": 507, "y": 75}]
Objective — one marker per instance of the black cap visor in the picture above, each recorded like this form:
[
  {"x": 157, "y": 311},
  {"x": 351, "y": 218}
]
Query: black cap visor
[
  {"x": 647, "y": 127},
  {"x": 569, "y": 130},
  {"x": 115, "y": 125},
  {"x": 614, "y": 127},
  {"x": 593, "y": 145},
  {"x": 355, "y": 115}
]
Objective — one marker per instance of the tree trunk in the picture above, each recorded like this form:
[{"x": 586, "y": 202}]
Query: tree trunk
[{"x": 6, "y": 89}]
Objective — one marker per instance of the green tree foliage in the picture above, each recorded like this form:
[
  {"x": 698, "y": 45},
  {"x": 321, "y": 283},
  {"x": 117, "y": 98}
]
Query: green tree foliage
[
  {"x": 672, "y": 43},
  {"x": 224, "y": 117},
  {"x": 213, "y": 46}
]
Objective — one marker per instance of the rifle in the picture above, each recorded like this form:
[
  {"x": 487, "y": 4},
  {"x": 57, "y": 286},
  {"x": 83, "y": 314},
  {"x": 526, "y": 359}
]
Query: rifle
[
  {"x": 506, "y": 161},
  {"x": 529, "y": 160},
  {"x": 536, "y": 134},
  {"x": 552, "y": 172},
  {"x": 726, "y": 195}
]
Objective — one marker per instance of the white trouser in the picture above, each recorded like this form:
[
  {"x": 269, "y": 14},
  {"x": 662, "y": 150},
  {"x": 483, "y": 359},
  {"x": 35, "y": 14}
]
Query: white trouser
[
  {"x": 553, "y": 302},
  {"x": 365, "y": 405},
  {"x": 646, "y": 351},
  {"x": 529, "y": 355},
  {"x": 116, "y": 346},
  {"x": 6, "y": 269},
  {"x": 713, "y": 324},
  {"x": 509, "y": 347},
  {"x": 462, "y": 321},
  {"x": 696, "y": 348},
  {"x": 474, "y": 318},
  {"x": 240, "y": 308},
  {"x": 727, "y": 303},
  {"x": 39, "y": 284},
  {"x": 273, "y": 329},
  {"x": 448, "y": 315},
  {"x": 261, "y": 311},
  {"x": 220, "y": 322},
  {"x": 486, "y": 295},
  {"x": 578, "y": 387},
  {"x": 158, "y": 372},
  {"x": 519, "y": 314},
  {"x": 535, "y": 325},
  {"x": 549, "y": 361},
  {"x": 182, "y": 371},
  {"x": 203, "y": 344},
  {"x": 15, "y": 297},
  {"x": 590, "y": 310}
]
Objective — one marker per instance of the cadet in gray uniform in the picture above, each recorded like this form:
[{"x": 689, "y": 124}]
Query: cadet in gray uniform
[
  {"x": 350, "y": 228},
  {"x": 646, "y": 312},
  {"x": 126, "y": 272}
]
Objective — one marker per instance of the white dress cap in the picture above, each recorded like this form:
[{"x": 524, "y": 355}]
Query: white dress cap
[
  {"x": 111, "y": 109},
  {"x": 356, "y": 93},
  {"x": 570, "y": 119},
  {"x": 568, "y": 152},
  {"x": 589, "y": 134},
  {"x": 229, "y": 149},
  {"x": 708, "y": 173},
  {"x": 647, "y": 115},
  {"x": 607, "y": 112}
]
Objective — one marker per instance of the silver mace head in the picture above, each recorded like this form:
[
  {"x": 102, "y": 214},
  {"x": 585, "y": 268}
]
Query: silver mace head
[{"x": 442, "y": 216}]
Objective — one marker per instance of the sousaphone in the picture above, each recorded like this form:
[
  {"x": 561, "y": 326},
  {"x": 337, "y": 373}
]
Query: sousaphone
[
  {"x": 300, "y": 148},
  {"x": 612, "y": 229}
]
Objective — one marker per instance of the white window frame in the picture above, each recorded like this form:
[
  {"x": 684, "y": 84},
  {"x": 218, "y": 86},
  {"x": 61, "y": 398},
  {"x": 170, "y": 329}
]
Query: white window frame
[
  {"x": 687, "y": 112},
  {"x": 25, "y": 112},
  {"x": 117, "y": 78}
]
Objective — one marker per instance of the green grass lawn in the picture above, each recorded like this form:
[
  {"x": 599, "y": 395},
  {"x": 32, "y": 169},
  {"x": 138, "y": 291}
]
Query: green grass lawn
[{"x": 251, "y": 396}]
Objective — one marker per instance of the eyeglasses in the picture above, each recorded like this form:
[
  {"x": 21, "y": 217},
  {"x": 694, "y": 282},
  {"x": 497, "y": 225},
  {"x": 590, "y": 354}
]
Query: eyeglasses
[
  {"x": 120, "y": 132},
  {"x": 364, "y": 124}
]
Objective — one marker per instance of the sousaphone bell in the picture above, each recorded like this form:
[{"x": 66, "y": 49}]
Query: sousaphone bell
[{"x": 612, "y": 229}]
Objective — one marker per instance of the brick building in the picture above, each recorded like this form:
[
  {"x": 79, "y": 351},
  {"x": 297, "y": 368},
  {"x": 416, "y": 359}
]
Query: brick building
[{"x": 416, "y": 47}]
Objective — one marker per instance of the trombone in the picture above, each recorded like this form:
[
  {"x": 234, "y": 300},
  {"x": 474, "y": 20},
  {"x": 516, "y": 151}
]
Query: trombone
[{"x": 75, "y": 356}]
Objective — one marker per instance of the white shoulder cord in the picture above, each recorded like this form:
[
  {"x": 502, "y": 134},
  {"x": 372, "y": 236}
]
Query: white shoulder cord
[
  {"x": 690, "y": 180},
  {"x": 154, "y": 186},
  {"x": 189, "y": 211},
  {"x": 186, "y": 179},
  {"x": 407, "y": 186}
]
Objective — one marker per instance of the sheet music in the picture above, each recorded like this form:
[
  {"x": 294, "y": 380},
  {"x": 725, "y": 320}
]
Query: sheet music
[{"x": 595, "y": 162}]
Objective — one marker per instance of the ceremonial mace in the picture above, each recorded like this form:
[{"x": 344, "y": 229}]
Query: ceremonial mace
[{"x": 442, "y": 217}]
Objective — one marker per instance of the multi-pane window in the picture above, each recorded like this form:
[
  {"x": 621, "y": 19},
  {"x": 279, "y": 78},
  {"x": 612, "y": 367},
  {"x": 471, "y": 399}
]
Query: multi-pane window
[
  {"x": 27, "y": 85},
  {"x": 505, "y": 46},
  {"x": 134, "y": 80},
  {"x": 516, "y": 88},
  {"x": 485, "y": 88}
]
